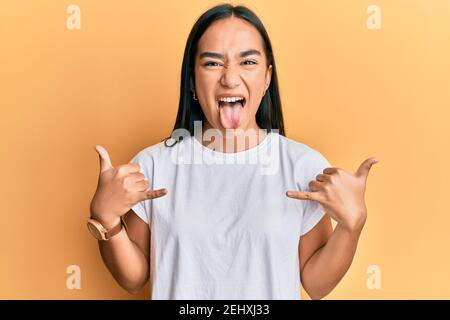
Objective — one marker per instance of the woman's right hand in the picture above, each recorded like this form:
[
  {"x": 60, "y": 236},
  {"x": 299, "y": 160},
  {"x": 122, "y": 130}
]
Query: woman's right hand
[{"x": 118, "y": 190}]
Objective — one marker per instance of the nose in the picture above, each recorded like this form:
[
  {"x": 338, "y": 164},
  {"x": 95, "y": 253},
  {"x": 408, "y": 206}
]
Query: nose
[{"x": 230, "y": 77}]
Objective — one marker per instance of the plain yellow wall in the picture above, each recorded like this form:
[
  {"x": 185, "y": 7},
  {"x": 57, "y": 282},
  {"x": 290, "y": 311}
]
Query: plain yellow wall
[{"x": 347, "y": 91}]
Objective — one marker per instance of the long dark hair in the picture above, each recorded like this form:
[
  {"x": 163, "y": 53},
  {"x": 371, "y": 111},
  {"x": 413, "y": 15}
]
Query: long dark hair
[{"x": 269, "y": 115}]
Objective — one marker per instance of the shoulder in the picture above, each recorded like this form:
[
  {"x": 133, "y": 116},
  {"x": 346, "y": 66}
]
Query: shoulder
[
  {"x": 154, "y": 152},
  {"x": 299, "y": 152},
  {"x": 306, "y": 160},
  {"x": 148, "y": 153},
  {"x": 162, "y": 152}
]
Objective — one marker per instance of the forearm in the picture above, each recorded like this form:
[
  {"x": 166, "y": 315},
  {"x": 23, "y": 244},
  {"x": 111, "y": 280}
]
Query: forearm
[
  {"x": 327, "y": 266},
  {"x": 125, "y": 261}
]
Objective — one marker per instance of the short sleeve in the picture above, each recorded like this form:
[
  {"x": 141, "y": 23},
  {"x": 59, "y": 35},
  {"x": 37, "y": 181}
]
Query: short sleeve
[
  {"x": 143, "y": 208},
  {"x": 311, "y": 165}
]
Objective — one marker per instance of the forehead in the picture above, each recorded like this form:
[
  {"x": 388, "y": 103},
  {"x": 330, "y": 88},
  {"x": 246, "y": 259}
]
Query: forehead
[{"x": 230, "y": 35}]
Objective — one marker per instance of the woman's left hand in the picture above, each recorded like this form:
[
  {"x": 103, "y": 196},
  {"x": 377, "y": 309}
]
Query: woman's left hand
[{"x": 341, "y": 194}]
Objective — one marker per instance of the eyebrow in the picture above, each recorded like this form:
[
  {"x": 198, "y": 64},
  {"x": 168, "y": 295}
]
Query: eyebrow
[{"x": 221, "y": 56}]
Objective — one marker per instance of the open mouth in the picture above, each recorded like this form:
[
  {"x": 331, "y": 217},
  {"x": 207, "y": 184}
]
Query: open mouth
[
  {"x": 231, "y": 110},
  {"x": 231, "y": 102}
]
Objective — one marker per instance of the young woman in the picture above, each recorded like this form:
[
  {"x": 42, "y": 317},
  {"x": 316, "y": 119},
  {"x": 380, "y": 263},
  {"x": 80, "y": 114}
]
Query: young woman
[{"x": 228, "y": 207}]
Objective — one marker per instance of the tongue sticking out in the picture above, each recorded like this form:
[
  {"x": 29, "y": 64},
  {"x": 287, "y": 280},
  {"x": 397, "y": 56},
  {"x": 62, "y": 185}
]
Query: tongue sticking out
[{"x": 230, "y": 114}]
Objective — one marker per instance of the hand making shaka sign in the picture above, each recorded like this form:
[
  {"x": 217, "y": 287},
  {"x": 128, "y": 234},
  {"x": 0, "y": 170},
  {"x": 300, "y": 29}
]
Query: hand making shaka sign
[{"x": 341, "y": 194}]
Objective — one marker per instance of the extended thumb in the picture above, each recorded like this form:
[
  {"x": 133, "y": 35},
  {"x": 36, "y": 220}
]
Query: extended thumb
[
  {"x": 105, "y": 161},
  {"x": 364, "y": 168}
]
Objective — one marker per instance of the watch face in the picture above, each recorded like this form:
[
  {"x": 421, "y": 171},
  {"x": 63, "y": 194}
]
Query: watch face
[{"x": 94, "y": 231}]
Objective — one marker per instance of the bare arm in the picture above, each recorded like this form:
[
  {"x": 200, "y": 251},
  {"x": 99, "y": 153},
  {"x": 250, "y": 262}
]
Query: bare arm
[
  {"x": 126, "y": 255},
  {"x": 326, "y": 256}
]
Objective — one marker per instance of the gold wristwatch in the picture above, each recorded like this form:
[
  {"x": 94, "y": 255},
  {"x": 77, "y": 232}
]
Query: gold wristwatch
[{"x": 99, "y": 232}]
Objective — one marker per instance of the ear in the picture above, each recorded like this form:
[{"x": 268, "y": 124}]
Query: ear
[{"x": 268, "y": 76}]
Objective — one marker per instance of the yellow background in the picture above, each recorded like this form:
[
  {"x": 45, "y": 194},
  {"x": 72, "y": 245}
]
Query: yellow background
[{"x": 347, "y": 91}]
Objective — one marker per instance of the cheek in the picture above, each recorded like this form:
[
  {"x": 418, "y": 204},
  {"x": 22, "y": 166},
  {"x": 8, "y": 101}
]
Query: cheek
[
  {"x": 256, "y": 87},
  {"x": 202, "y": 83},
  {"x": 256, "y": 82},
  {"x": 205, "y": 89}
]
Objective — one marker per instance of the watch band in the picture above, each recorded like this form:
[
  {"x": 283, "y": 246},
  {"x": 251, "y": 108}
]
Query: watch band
[
  {"x": 115, "y": 230},
  {"x": 99, "y": 232}
]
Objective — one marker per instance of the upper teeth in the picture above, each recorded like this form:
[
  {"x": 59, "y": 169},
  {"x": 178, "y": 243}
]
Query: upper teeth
[{"x": 231, "y": 99}]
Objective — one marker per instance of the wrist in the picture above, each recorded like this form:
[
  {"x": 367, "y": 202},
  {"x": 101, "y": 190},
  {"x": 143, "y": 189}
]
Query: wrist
[
  {"x": 354, "y": 227},
  {"x": 101, "y": 229},
  {"x": 107, "y": 223}
]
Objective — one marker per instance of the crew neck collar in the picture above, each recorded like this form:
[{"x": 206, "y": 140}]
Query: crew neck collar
[{"x": 213, "y": 153}]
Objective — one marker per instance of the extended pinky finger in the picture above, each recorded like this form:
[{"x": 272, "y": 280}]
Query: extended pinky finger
[
  {"x": 304, "y": 195},
  {"x": 153, "y": 194}
]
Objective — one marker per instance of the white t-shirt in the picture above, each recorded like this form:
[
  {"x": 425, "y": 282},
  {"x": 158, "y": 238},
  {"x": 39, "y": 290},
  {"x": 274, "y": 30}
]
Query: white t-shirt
[{"x": 226, "y": 229}]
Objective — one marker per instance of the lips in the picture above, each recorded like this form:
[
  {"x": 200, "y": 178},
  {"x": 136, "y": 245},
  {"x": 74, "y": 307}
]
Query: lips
[{"x": 231, "y": 100}]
